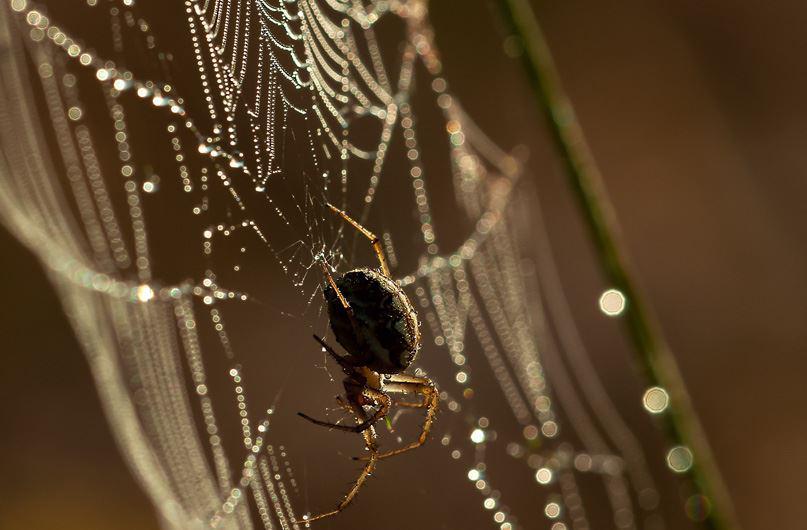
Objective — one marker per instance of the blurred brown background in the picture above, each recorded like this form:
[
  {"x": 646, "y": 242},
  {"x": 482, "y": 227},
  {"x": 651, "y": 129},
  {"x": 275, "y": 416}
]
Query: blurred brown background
[{"x": 697, "y": 115}]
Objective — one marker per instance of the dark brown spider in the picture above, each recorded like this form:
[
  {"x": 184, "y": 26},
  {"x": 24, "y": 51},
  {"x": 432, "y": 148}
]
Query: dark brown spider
[{"x": 374, "y": 321}]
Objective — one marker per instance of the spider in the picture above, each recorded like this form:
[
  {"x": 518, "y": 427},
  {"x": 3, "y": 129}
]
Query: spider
[{"x": 375, "y": 322}]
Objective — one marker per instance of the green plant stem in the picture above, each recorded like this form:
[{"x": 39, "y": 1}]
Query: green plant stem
[{"x": 679, "y": 421}]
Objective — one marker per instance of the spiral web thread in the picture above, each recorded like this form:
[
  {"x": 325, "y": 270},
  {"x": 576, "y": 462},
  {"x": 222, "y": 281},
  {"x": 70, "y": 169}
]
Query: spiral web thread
[{"x": 264, "y": 69}]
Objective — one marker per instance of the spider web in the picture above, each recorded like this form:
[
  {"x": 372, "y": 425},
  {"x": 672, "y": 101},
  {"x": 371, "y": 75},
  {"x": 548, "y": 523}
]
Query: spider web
[{"x": 177, "y": 196}]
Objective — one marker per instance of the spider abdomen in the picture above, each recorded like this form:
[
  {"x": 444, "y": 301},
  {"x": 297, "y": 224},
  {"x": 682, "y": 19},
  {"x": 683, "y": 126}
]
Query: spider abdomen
[{"x": 386, "y": 334}]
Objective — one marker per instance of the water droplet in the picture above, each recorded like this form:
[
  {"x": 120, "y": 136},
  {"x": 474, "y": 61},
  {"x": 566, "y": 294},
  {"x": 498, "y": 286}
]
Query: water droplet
[
  {"x": 612, "y": 302},
  {"x": 152, "y": 184},
  {"x": 697, "y": 507},
  {"x": 552, "y": 510},
  {"x": 478, "y": 436},
  {"x": 656, "y": 400},
  {"x": 145, "y": 293},
  {"x": 680, "y": 459},
  {"x": 543, "y": 475},
  {"x": 530, "y": 432}
]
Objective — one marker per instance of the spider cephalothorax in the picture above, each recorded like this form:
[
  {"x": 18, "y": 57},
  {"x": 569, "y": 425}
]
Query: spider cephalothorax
[
  {"x": 384, "y": 333},
  {"x": 373, "y": 319}
]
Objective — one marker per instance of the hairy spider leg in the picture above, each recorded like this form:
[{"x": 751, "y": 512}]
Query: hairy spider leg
[
  {"x": 408, "y": 384},
  {"x": 374, "y": 241},
  {"x": 355, "y": 393},
  {"x": 370, "y": 443}
]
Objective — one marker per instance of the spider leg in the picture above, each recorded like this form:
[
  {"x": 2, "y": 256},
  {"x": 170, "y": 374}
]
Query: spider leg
[
  {"x": 346, "y": 363},
  {"x": 407, "y": 384},
  {"x": 370, "y": 444},
  {"x": 350, "y": 315},
  {"x": 374, "y": 241},
  {"x": 339, "y": 294},
  {"x": 349, "y": 310},
  {"x": 380, "y": 399}
]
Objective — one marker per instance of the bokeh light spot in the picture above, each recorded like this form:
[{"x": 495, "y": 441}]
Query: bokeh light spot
[
  {"x": 656, "y": 400},
  {"x": 612, "y": 302},
  {"x": 680, "y": 459}
]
